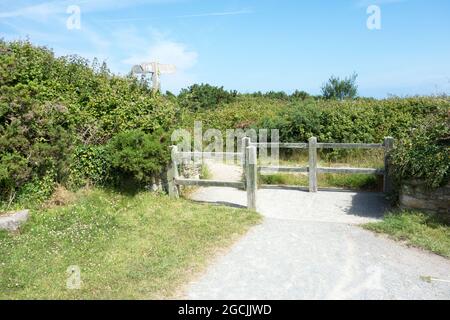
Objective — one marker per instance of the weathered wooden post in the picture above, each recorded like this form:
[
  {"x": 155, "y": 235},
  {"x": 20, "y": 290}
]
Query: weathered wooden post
[
  {"x": 245, "y": 144},
  {"x": 172, "y": 174},
  {"x": 313, "y": 164},
  {"x": 387, "y": 178},
  {"x": 251, "y": 172}
]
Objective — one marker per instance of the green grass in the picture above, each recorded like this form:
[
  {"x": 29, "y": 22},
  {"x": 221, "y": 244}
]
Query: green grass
[
  {"x": 205, "y": 173},
  {"x": 357, "y": 158},
  {"x": 127, "y": 247},
  {"x": 426, "y": 231},
  {"x": 346, "y": 181},
  {"x": 339, "y": 158}
]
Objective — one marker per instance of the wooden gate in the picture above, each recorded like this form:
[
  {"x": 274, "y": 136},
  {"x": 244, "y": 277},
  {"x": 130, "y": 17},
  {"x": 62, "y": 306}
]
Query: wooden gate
[
  {"x": 312, "y": 169},
  {"x": 251, "y": 168}
]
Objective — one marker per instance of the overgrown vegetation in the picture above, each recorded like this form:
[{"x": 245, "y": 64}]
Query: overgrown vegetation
[
  {"x": 363, "y": 120},
  {"x": 57, "y": 115},
  {"x": 65, "y": 124},
  {"x": 127, "y": 247},
  {"x": 427, "y": 231},
  {"x": 425, "y": 153},
  {"x": 136, "y": 157},
  {"x": 64, "y": 121},
  {"x": 419, "y": 126},
  {"x": 340, "y": 89},
  {"x": 360, "y": 120},
  {"x": 204, "y": 97}
]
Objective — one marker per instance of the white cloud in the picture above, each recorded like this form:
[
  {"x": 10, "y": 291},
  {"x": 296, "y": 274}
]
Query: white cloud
[
  {"x": 40, "y": 11},
  {"x": 119, "y": 47},
  {"x": 159, "y": 48},
  {"x": 166, "y": 52}
]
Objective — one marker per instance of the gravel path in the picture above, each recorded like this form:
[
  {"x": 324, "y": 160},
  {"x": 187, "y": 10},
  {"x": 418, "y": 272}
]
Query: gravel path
[{"x": 310, "y": 247}]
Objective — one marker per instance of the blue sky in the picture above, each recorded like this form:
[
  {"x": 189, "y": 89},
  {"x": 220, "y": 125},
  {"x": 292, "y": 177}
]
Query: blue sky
[{"x": 252, "y": 45}]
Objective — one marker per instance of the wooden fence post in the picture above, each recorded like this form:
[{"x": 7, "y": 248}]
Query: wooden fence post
[
  {"x": 251, "y": 172},
  {"x": 245, "y": 144},
  {"x": 387, "y": 178},
  {"x": 313, "y": 164},
  {"x": 172, "y": 174}
]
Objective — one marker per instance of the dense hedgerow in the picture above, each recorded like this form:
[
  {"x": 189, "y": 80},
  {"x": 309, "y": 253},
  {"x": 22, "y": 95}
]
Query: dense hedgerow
[
  {"x": 135, "y": 157},
  {"x": 361, "y": 120},
  {"x": 353, "y": 120},
  {"x": 419, "y": 126},
  {"x": 88, "y": 164},
  {"x": 53, "y": 110},
  {"x": 63, "y": 120},
  {"x": 204, "y": 96},
  {"x": 424, "y": 153}
]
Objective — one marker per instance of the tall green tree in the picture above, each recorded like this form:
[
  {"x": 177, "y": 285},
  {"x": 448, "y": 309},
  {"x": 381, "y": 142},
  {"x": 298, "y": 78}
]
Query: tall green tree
[{"x": 340, "y": 89}]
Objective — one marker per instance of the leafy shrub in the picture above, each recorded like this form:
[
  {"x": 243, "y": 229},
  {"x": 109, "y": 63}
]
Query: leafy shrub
[
  {"x": 281, "y": 95},
  {"x": 363, "y": 120},
  {"x": 88, "y": 164},
  {"x": 12, "y": 174},
  {"x": 53, "y": 110},
  {"x": 38, "y": 189},
  {"x": 425, "y": 154},
  {"x": 136, "y": 156},
  {"x": 245, "y": 111},
  {"x": 339, "y": 89},
  {"x": 204, "y": 96},
  {"x": 301, "y": 95},
  {"x": 34, "y": 138},
  {"x": 296, "y": 123}
]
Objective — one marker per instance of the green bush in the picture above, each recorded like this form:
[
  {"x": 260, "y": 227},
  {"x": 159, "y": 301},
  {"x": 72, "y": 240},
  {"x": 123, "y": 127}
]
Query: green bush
[
  {"x": 339, "y": 89},
  {"x": 35, "y": 137},
  {"x": 58, "y": 113},
  {"x": 301, "y": 95},
  {"x": 244, "y": 112},
  {"x": 296, "y": 122},
  {"x": 37, "y": 190},
  {"x": 135, "y": 156},
  {"x": 204, "y": 96},
  {"x": 89, "y": 164},
  {"x": 54, "y": 110},
  {"x": 362, "y": 120},
  {"x": 425, "y": 153}
]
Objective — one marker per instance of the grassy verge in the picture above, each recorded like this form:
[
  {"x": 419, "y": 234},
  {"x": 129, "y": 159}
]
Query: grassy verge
[
  {"x": 430, "y": 232},
  {"x": 346, "y": 181},
  {"x": 129, "y": 247}
]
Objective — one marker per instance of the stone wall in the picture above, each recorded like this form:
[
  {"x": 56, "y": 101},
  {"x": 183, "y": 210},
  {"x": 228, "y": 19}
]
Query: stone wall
[
  {"x": 415, "y": 195},
  {"x": 190, "y": 169}
]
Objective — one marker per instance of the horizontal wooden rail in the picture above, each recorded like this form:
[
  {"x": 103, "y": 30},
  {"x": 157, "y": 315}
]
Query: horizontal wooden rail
[
  {"x": 249, "y": 160},
  {"x": 269, "y": 170},
  {"x": 320, "y": 145},
  {"x": 350, "y": 145},
  {"x": 281, "y": 145},
  {"x": 266, "y": 170},
  {"x": 207, "y": 155},
  {"x": 351, "y": 170},
  {"x": 209, "y": 183}
]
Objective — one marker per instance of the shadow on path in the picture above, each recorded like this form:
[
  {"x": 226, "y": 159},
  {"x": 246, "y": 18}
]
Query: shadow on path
[{"x": 331, "y": 205}]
